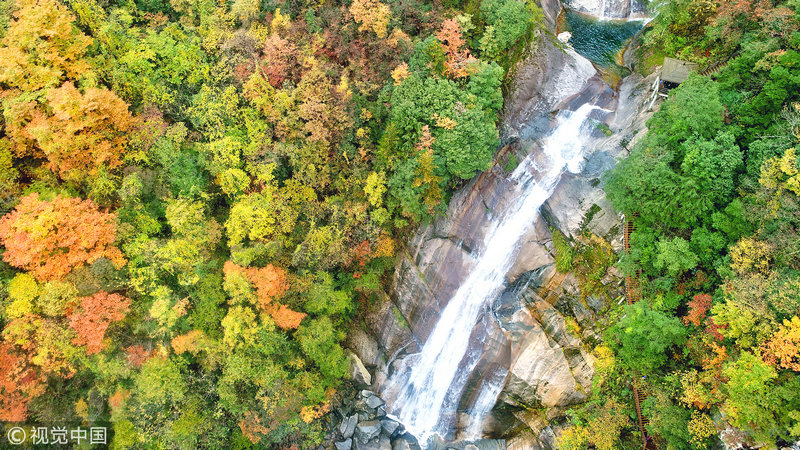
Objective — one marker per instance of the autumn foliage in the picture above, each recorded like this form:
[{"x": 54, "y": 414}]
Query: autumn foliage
[
  {"x": 314, "y": 136},
  {"x": 372, "y": 15},
  {"x": 192, "y": 342},
  {"x": 42, "y": 47},
  {"x": 271, "y": 283},
  {"x": 137, "y": 355},
  {"x": 457, "y": 54},
  {"x": 18, "y": 383},
  {"x": 93, "y": 317},
  {"x": 784, "y": 348},
  {"x": 278, "y": 60},
  {"x": 87, "y": 130},
  {"x": 698, "y": 307},
  {"x": 50, "y": 238},
  {"x": 46, "y": 115}
]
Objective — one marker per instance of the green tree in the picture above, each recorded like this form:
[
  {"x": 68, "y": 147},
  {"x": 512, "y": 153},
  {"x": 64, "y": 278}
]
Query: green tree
[
  {"x": 675, "y": 256},
  {"x": 643, "y": 337},
  {"x": 751, "y": 401},
  {"x": 683, "y": 171},
  {"x": 320, "y": 343},
  {"x": 508, "y": 21}
]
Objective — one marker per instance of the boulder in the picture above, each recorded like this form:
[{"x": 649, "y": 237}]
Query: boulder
[
  {"x": 549, "y": 436},
  {"x": 364, "y": 346},
  {"x": 365, "y": 393},
  {"x": 523, "y": 441},
  {"x": 346, "y": 444},
  {"x": 348, "y": 426},
  {"x": 405, "y": 442},
  {"x": 367, "y": 431},
  {"x": 382, "y": 443},
  {"x": 374, "y": 401},
  {"x": 389, "y": 426},
  {"x": 358, "y": 372}
]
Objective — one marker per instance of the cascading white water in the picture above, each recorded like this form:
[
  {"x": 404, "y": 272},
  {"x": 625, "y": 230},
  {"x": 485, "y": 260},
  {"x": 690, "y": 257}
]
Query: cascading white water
[
  {"x": 428, "y": 391},
  {"x": 487, "y": 397}
]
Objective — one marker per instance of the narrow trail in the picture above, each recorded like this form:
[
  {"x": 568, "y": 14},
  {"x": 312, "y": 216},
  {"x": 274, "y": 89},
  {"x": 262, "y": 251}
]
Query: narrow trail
[{"x": 632, "y": 295}]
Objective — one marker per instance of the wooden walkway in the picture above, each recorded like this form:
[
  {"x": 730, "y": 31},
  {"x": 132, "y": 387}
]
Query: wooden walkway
[
  {"x": 632, "y": 287},
  {"x": 633, "y": 294},
  {"x": 719, "y": 65}
]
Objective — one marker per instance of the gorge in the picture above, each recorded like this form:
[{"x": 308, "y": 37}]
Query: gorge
[{"x": 471, "y": 323}]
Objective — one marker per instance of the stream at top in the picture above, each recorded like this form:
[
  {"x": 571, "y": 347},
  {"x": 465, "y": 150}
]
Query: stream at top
[
  {"x": 426, "y": 393},
  {"x": 600, "y": 41}
]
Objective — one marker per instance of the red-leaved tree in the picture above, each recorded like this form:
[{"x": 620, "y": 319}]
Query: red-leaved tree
[{"x": 698, "y": 307}]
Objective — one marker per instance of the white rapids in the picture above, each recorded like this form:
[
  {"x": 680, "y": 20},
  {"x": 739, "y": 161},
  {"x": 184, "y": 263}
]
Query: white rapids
[{"x": 425, "y": 390}]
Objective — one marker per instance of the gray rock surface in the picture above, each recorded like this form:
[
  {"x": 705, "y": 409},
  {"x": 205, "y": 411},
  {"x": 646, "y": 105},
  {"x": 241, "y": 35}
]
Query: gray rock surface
[
  {"x": 389, "y": 426},
  {"x": 364, "y": 346},
  {"x": 523, "y": 441},
  {"x": 382, "y": 443},
  {"x": 609, "y": 9},
  {"x": 405, "y": 442},
  {"x": 346, "y": 444},
  {"x": 358, "y": 372},
  {"x": 524, "y": 333},
  {"x": 348, "y": 426},
  {"x": 374, "y": 402},
  {"x": 367, "y": 430}
]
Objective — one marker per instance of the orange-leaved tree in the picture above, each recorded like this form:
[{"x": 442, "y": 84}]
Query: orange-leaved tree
[
  {"x": 87, "y": 130},
  {"x": 783, "y": 349},
  {"x": 92, "y": 318},
  {"x": 50, "y": 238},
  {"x": 457, "y": 54},
  {"x": 18, "y": 384},
  {"x": 271, "y": 284}
]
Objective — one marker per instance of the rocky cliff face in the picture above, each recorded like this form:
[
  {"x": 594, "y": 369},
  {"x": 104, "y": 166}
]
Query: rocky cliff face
[{"x": 535, "y": 328}]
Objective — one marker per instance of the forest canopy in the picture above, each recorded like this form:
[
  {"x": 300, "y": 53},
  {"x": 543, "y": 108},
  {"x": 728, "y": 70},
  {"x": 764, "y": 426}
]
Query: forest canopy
[
  {"x": 200, "y": 198},
  {"x": 713, "y": 191}
]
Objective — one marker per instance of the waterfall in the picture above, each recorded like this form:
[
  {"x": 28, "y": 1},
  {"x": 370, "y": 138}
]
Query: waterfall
[
  {"x": 487, "y": 397},
  {"x": 609, "y": 9},
  {"x": 429, "y": 389}
]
